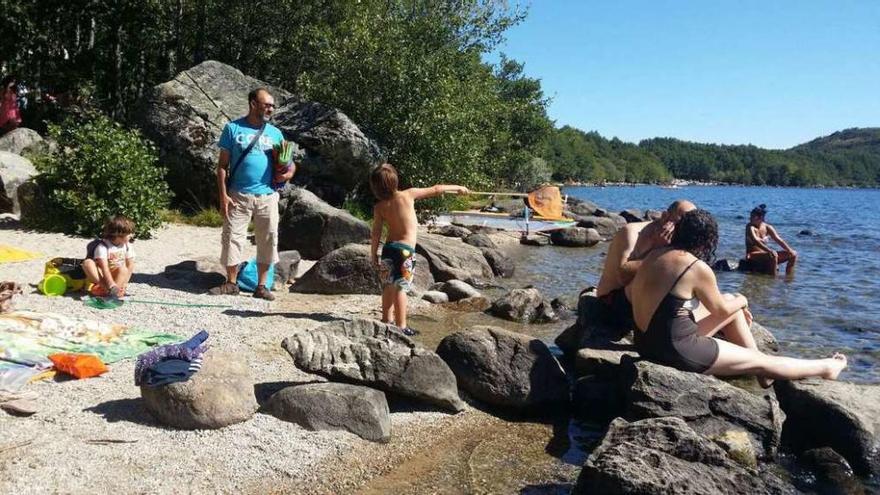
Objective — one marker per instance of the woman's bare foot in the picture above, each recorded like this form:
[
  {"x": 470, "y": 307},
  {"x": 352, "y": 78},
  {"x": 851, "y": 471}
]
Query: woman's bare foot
[{"x": 836, "y": 364}]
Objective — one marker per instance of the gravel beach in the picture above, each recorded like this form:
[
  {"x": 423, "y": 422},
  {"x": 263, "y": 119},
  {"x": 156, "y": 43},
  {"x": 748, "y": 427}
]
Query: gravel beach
[{"x": 95, "y": 436}]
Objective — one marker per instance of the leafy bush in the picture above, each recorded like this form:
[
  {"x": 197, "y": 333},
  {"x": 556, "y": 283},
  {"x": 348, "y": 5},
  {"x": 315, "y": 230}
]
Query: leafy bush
[
  {"x": 206, "y": 217},
  {"x": 100, "y": 169}
]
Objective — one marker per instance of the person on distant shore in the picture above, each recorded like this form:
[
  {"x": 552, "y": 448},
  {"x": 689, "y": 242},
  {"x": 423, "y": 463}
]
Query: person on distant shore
[
  {"x": 761, "y": 257},
  {"x": 247, "y": 190},
  {"x": 10, "y": 114},
  {"x": 396, "y": 209},
  {"x": 630, "y": 245},
  {"x": 667, "y": 333},
  {"x": 109, "y": 260}
]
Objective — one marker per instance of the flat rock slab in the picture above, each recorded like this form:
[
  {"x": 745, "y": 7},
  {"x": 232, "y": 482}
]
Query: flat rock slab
[
  {"x": 665, "y": 456},
  {"x": 843, "y": 416},
  {"x": 504, "y": 368},
  {"x": 450, "y": 258},
  {"x": 220, "y": 394},
  {"x": 371, "y": 353},
  {"x": 334, "y": 406},
  {"x": 709, "y": 405}
]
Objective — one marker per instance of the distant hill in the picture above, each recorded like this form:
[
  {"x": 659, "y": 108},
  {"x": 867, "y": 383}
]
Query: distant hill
[
  {"x": 867, "y": 138},
  {"x": 849, "y": 157}
]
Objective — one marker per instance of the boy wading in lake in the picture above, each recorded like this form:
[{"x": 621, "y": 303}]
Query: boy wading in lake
[{"x": 398, "y": 261}]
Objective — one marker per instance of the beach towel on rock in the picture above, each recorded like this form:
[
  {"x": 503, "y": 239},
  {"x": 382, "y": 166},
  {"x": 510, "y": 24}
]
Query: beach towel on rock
[{"x": 27, "y": 338}]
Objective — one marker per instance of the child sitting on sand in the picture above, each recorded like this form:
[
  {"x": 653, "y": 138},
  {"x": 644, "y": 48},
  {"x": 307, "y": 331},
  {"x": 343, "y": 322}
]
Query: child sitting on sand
[
  {"x": 109, "y": 261},
  {"x": 397, "y": 210}
]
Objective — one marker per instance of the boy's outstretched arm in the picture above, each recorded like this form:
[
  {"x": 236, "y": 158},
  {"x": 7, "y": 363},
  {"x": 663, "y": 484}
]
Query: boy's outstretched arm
[
  {"x": 430, "y": 192},
  {"x": 375, "y": 236}
]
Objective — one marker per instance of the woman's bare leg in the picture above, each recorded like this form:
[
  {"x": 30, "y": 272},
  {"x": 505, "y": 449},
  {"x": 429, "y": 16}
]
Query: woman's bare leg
[{"x": 736, "y": 360}]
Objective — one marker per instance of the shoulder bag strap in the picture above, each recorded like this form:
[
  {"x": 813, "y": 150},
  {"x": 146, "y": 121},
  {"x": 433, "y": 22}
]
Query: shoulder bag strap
[{"x": 242, "y": 155}]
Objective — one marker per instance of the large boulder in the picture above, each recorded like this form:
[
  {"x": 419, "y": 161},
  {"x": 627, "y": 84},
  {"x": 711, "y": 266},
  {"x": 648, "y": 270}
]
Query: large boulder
[
  {"x": 524, "y": 305},
  {"x": 502, "y": 265},
  {"x": 450, "y": 258},
  {"x": 314, "y": 228},
  {"x": 15, "y": 170},
  {"x": 334, "y": 406},
  {"x": 221, "y": 393},
  {"x": 581, "y": 207},
  {"x": 665, "y": 456},
  {"x": 186, "y": 115},
  {"x": 605, "y": 226},
  {"x": 575, "y": 237},
  {"x": 371, "y": 353},
  {"x": 709, "y": 405},
  {"x": 479, "y": 240},
  {"x": 504, "y": 368},
  {"x": 843, "y": 416},
  {"x": 593, "y": 328},
  {"x": 201, "y": 273},
  {"x": 21, "y": 139},
  {"x": 348, "y": 270},
  {"x": 338, "y": 156}
]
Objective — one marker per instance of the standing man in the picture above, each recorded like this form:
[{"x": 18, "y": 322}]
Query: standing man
[
  {"x": 625, "y": 254},
  {"x": 246, "y": 190}
]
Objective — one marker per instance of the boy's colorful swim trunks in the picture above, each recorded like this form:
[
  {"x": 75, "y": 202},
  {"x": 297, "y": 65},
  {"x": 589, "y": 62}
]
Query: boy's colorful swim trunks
[{"x": 398, "y": 265}]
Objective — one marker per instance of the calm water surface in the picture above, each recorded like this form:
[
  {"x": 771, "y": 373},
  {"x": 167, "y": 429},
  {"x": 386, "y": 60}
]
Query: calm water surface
[{"x": 831, "y": 303}]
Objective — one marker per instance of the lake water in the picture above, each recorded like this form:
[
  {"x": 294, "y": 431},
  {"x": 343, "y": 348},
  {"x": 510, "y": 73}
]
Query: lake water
[{"x": 831, "y": 303}]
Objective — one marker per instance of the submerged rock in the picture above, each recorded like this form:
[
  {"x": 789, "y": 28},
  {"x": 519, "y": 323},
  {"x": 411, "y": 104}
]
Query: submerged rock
[
  {"x": 575, "y": 237},
  {"x": 666, "y": 456},
  {"x": 334, "y": 406},
  {"x": 826, "y": 413},
  {"x": 371, "y": 353},
  {"x": 504, "y": 368},
  {"x": 220, "y": 394},
  {"x": 502, "y": 265},
  {"x": 524, "y": 305}
]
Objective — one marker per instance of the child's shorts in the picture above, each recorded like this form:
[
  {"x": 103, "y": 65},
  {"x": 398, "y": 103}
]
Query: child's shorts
[{"x": 398, "y": 264}]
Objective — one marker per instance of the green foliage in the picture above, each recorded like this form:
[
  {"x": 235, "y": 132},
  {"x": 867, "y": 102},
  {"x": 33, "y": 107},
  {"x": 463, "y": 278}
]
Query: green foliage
[
  {"x": 207, "y": 217},
  {"x": 99, "y": 170}
]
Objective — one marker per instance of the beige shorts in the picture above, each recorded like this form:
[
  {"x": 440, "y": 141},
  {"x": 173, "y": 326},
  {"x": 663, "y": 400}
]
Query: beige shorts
[{"x": 264, "y": 211}]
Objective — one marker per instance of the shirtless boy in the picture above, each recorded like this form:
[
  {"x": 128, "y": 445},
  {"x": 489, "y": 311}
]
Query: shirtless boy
[
  {"x": 759, "y": 254},
  {"x": 396, "y": 209},
  {"x": 625, "y": 254}
]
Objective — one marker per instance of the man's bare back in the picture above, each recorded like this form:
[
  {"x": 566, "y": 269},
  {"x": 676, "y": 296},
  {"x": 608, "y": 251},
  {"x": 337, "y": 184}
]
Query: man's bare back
[{"x": 618, "y": 252}]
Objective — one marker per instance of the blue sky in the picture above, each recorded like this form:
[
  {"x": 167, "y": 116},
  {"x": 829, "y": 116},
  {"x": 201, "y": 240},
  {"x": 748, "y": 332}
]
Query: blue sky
[{"x": 772, "y": 73}]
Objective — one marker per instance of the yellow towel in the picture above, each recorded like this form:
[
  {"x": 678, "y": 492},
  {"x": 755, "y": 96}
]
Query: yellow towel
[{"x": 9, "y": 254}]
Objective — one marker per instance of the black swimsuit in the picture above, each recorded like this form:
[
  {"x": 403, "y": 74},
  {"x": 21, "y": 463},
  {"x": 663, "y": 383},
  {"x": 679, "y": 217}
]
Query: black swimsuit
[{"x": 672, "y": 337}]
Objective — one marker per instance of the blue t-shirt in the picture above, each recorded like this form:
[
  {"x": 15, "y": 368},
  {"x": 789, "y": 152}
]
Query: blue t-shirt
[{"x": 254, "y": 174}]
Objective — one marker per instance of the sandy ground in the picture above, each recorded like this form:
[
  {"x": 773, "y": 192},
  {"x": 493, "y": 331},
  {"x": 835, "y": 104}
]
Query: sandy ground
[{"x": 95, "y": 436}]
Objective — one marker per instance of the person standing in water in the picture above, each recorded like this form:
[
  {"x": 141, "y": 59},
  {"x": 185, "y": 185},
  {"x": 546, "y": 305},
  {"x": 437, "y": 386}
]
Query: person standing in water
[{"x": 761, "y": 257}]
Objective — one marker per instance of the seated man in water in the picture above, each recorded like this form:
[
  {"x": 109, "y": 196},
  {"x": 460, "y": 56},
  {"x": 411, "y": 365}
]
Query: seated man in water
[
  {"x": 630, "y": 245},
  {"x": 760, "y": 256},
  {"x": 670, "y": 334}
]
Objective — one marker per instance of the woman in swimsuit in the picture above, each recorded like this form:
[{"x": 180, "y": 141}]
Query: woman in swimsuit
[
  {"x": 761, "y": 257},
  {"x": 669, "y": 334}
]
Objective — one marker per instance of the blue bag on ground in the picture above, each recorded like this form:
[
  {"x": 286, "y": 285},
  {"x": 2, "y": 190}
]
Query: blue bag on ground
[{"x": 247, "y": 276}]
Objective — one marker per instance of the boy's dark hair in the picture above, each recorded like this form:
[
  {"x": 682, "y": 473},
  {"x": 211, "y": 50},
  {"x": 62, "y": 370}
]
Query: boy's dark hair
[
  {"x": 383, "y": 181},
  {"x": 117, "y": 225},
  {"x": 759, "y": 211},
  {"x": 697, "y": 233}
]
